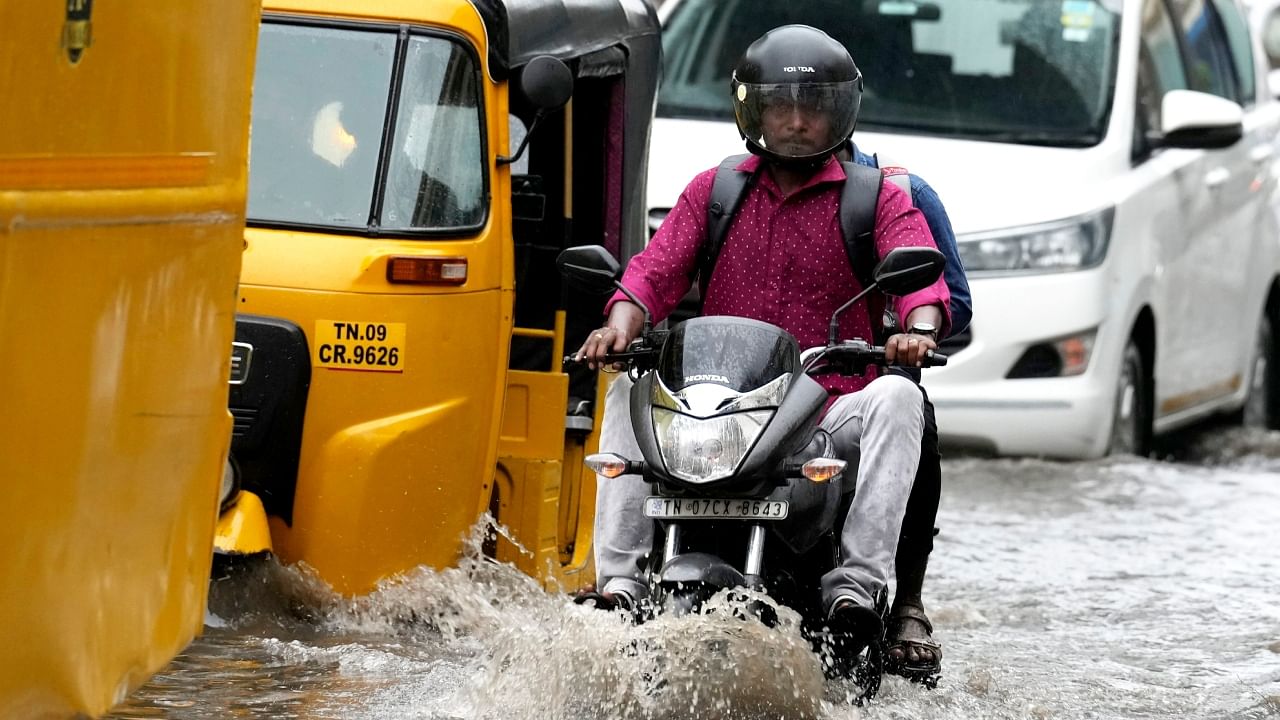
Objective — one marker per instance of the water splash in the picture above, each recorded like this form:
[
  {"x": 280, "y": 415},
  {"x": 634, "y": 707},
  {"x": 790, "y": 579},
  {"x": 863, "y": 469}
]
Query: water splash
[
  {"x": 533, "y": 654},
  {"x": 1120, "y": 588}
]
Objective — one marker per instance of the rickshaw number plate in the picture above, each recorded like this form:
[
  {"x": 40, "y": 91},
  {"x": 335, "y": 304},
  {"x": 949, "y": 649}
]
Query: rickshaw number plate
[
  {"x": 714, "y": 509},
  {"x": 359, "y": 345}
]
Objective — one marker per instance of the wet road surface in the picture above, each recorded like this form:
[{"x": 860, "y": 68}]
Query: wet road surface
[{"x": 1112, "y": 589}]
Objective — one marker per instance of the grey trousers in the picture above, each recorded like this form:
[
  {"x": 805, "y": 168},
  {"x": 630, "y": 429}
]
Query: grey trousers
[{"x": 877, "y": 430}]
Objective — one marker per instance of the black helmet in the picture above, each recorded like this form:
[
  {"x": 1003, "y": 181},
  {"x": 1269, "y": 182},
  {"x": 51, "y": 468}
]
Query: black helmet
[{"x": 785, "y": 84}]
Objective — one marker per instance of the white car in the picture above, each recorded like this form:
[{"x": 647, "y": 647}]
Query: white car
[{"x": 1121, "y": 245}]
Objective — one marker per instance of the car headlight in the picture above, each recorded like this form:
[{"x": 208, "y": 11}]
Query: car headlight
[
  {"x": 1063, "y": 246},
  {"x": 702, "y": 450}
]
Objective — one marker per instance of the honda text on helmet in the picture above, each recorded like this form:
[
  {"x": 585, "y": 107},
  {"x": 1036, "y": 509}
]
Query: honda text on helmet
[{"x": 796, "y": 94}]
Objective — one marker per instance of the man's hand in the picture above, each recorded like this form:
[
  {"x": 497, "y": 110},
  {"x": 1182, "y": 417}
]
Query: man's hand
[
  {"x": 908, "y": 349},
  {"x": 625, "y": 321}
]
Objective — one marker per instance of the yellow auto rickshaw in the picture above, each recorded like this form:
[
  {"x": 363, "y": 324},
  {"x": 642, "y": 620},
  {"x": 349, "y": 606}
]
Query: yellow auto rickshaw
[
  {"x": 123, "y": 171},
  {"x": 414, "y": 170}
]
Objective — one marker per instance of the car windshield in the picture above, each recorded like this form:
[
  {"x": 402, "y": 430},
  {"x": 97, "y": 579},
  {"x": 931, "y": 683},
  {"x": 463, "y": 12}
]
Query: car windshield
[
  {"x": 1027, "y": 71},
  {"x": 319, "y": 126}
]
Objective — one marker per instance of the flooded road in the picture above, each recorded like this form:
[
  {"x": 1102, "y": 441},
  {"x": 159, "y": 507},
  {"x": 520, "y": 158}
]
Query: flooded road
[{"x": 1112, "y": 589}]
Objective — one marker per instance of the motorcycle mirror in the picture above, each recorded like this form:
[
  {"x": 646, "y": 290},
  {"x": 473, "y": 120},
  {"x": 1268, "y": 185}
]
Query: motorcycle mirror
[
  {"x": 905, "y": 270},
  {"x": 593, "y": 269},
  {"x": 589, "y": 267}
]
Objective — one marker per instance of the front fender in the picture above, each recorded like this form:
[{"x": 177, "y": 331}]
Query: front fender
[
  {"x": 695, "y": 568},
  {"x": 242, "y": 529}
]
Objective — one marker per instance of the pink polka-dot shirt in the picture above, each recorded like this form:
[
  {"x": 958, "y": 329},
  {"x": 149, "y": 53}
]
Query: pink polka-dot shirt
[{"x": 783, "y": 261}]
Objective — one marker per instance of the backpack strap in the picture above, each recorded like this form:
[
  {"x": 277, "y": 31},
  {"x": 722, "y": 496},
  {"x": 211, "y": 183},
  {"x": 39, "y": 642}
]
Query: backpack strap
[
  {"x": 899, "y": 176},
  {"x": 858, "y": 202},
  {"x": 727, "y": 191}
]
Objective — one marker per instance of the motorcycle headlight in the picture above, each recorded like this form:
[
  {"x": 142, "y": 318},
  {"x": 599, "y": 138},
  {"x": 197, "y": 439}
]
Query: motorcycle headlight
[
  {"x": 1063, "y": 246},
  {"x": 702, "y": 450}
]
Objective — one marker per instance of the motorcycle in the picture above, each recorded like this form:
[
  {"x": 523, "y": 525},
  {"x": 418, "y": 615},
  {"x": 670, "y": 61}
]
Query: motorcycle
[{"x": 746, "y": 485}]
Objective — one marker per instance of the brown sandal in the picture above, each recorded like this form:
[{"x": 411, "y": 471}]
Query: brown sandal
[{"x": 925, "y": 672}]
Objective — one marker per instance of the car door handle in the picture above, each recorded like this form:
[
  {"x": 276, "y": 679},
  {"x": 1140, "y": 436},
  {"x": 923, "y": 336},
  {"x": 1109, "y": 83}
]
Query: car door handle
[
  {"x": 1261, "y": 153},
  {"x": 1216, "y": 177}
]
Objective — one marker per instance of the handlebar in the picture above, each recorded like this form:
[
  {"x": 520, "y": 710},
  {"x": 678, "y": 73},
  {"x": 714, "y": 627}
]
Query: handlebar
[
  {"x": 848, "y": 357},
  {"x": 640, "y": 355},
  {"x": 855, "y": 356},
  {"x": 626, "y": 357}
]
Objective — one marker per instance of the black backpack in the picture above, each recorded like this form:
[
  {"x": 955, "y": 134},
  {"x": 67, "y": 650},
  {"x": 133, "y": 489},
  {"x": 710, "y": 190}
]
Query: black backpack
[{"x": 858, "y": 201}]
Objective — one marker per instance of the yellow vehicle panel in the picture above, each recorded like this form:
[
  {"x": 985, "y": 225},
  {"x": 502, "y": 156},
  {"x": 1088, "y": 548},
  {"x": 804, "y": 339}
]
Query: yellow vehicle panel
[
  {"x": 389, "y": 470},
  {"x": 121, "y": 215},
  {"x": 391, "y": 474},
  {"x": 316, "y": 261}
]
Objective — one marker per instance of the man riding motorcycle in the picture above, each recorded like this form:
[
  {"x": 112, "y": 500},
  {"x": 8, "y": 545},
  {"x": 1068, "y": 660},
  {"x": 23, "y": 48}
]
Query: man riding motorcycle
[{"x": 796, "y": 98}]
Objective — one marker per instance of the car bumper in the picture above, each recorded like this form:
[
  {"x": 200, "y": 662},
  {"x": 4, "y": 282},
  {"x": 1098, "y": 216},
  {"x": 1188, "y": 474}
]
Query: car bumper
[
  {"x": 980, "y": 408},
  {"x": 1061, "y": 418}
]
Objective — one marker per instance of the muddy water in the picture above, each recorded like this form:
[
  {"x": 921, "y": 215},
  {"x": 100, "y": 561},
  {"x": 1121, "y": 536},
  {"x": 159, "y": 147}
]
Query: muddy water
[{"x": 1114, "y": 589}]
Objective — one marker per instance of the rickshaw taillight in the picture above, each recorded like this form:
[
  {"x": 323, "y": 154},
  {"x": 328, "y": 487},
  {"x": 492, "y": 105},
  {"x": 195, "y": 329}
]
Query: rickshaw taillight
[{"x": 427, "y": 270}]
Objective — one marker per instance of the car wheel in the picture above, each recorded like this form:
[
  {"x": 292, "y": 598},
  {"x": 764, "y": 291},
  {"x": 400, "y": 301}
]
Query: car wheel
[
  {"x": 1260, "y": 401},
  {"x": 1131, "y": 419}
]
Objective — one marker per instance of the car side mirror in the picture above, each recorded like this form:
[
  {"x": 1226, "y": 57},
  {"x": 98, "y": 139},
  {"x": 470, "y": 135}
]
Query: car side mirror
[
  {"x": 590, "y": 268},
  {"x": 905, "y": 270},
  {"x": 1197, "y": 120}
]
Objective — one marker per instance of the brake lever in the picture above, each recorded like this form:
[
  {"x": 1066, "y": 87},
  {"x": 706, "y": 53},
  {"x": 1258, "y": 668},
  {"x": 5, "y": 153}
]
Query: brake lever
[{"x": 625, "y": 356}]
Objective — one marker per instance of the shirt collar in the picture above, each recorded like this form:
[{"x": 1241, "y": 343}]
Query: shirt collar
[{"x": 832, "y": 171}]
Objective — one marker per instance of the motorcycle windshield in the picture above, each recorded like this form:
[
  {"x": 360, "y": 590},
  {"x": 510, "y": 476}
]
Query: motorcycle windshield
[{"x": 738, "y": 353}]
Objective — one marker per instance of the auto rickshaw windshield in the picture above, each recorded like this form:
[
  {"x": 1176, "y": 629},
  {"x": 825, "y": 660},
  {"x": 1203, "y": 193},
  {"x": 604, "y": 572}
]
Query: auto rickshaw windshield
[{"x": 319, "y": 114}]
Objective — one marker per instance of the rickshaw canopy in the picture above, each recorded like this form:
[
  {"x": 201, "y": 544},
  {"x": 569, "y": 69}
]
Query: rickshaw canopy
[
  {"x": 520, "y": 30},
  {"x": 596, "y": 38}
]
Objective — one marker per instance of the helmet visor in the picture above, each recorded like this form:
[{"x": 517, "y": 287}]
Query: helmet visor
[{"x": 797, "y": 120}]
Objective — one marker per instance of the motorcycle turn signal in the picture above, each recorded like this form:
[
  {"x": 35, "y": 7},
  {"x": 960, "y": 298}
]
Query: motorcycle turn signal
[
  {"x": 611, "y": 465},
  {"x": 821, "y": 470}
]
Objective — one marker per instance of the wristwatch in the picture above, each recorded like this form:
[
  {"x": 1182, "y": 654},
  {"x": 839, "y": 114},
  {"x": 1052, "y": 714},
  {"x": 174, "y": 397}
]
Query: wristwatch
[{"x": 924, "y": 328}]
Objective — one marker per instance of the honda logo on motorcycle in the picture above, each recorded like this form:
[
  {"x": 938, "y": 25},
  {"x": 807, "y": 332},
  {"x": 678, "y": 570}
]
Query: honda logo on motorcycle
[{"x": 240, "y": 356}]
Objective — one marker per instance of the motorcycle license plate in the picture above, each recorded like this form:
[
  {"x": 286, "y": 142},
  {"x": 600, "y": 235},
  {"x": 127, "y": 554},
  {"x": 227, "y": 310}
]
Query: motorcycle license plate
[{"x": 667, "y": 508}]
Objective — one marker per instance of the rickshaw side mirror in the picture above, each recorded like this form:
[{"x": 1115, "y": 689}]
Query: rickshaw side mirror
[
  {"x": 589, "y": 267},
  {"x": 905, "y": 270},
  {"x": 547, "y": 82}
]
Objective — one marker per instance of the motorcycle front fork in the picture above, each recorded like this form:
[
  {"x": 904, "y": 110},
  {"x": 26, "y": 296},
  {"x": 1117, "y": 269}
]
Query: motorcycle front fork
[{"x": 753, "y": 565}]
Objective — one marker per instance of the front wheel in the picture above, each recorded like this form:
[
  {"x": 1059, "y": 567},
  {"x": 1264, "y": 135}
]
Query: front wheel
[
  {"x": 1260, "y": 404},
  {"x": 1131, "y": 418}
]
